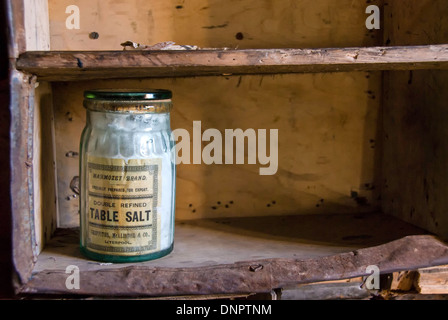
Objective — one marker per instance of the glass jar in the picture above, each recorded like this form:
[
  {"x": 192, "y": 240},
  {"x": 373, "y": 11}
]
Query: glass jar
[{"x": 127, "y": 176}]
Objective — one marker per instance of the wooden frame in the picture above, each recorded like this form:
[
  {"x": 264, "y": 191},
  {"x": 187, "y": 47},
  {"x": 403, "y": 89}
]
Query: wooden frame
[{"x": 30, "y": 63}]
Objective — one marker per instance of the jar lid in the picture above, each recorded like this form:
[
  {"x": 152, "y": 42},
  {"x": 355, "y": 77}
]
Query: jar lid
[
  {"x": 129, "y": 100},
  {"x": 131, "y": 94}
]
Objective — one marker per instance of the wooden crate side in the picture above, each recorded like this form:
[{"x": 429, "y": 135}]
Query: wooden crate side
[
  {"x": 16, "y": 28},
  {"x": 22, "y": 170},
  {"x": 21, "y": 201},
  {"x": 415, "y": 121},
  {"x": 25, "y": 20},
  {"x": 415, "y": 149},
  {"x": 44, "y": 178}
]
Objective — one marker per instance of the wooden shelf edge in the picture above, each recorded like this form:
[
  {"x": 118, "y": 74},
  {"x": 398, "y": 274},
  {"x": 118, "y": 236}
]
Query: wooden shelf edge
[
  {"x": 87, "y": 65},
  {"x": 408, "y": 253}
]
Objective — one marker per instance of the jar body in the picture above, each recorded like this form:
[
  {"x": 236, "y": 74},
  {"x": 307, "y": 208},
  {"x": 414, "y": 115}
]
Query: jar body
[{"x": 127, "y": 184}]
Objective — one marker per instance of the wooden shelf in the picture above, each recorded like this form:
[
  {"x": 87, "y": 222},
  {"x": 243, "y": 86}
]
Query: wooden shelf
[
  {"x": 85, "y": 65},
  {"x": 246, "y": 255}
]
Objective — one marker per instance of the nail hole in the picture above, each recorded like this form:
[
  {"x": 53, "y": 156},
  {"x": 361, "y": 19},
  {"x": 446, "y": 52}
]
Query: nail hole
[
  {"x": 94, "y": 35},
  {"x": 72, "y": 154}
]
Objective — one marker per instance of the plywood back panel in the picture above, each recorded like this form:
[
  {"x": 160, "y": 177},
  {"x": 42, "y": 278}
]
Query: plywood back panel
[
  {"x": 105, "y": 24},
  {"x": 327, "y": 142},
  {"x": 415, "y": 22}
]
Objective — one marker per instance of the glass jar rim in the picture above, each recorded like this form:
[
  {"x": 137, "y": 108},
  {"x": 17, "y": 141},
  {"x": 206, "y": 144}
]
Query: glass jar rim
[
  {"x": 128, "y": 94},
  {"x": 128, "y": 100}
]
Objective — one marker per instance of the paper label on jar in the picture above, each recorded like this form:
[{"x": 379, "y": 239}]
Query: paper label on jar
[{"x": 122, "y": 200}]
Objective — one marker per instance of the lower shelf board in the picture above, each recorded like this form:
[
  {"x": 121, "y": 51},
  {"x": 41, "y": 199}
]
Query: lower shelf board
[{"x": 245, "y": 255}]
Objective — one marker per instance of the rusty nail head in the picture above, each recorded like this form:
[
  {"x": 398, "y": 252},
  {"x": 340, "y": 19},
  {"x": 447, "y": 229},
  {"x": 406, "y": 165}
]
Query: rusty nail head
[{"x": 256, "y": 267}]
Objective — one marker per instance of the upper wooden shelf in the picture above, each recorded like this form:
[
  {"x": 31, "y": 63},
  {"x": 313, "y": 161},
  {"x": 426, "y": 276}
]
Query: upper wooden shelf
[{"x": 85, "y": 65}]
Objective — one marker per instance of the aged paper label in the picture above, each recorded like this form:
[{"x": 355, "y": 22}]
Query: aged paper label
[{"x": 122, "y": 200}]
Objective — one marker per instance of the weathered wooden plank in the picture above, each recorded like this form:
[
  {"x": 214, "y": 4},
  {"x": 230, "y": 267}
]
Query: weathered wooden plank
[
  {"x": 24, "y": 161},
  {"x": 327, "y": 291},
  {"x": 23, "y": 254},
  {"x": 37, "y": 25},
  {"x": 249, "y": 276},
  {"x": 207, "y": 251},
  {"x": 57, "y": 66},
  {"x": 16, "y": 27},
  {"x": 22, "y": 198},
  {"x": 432, "y": 280}
]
